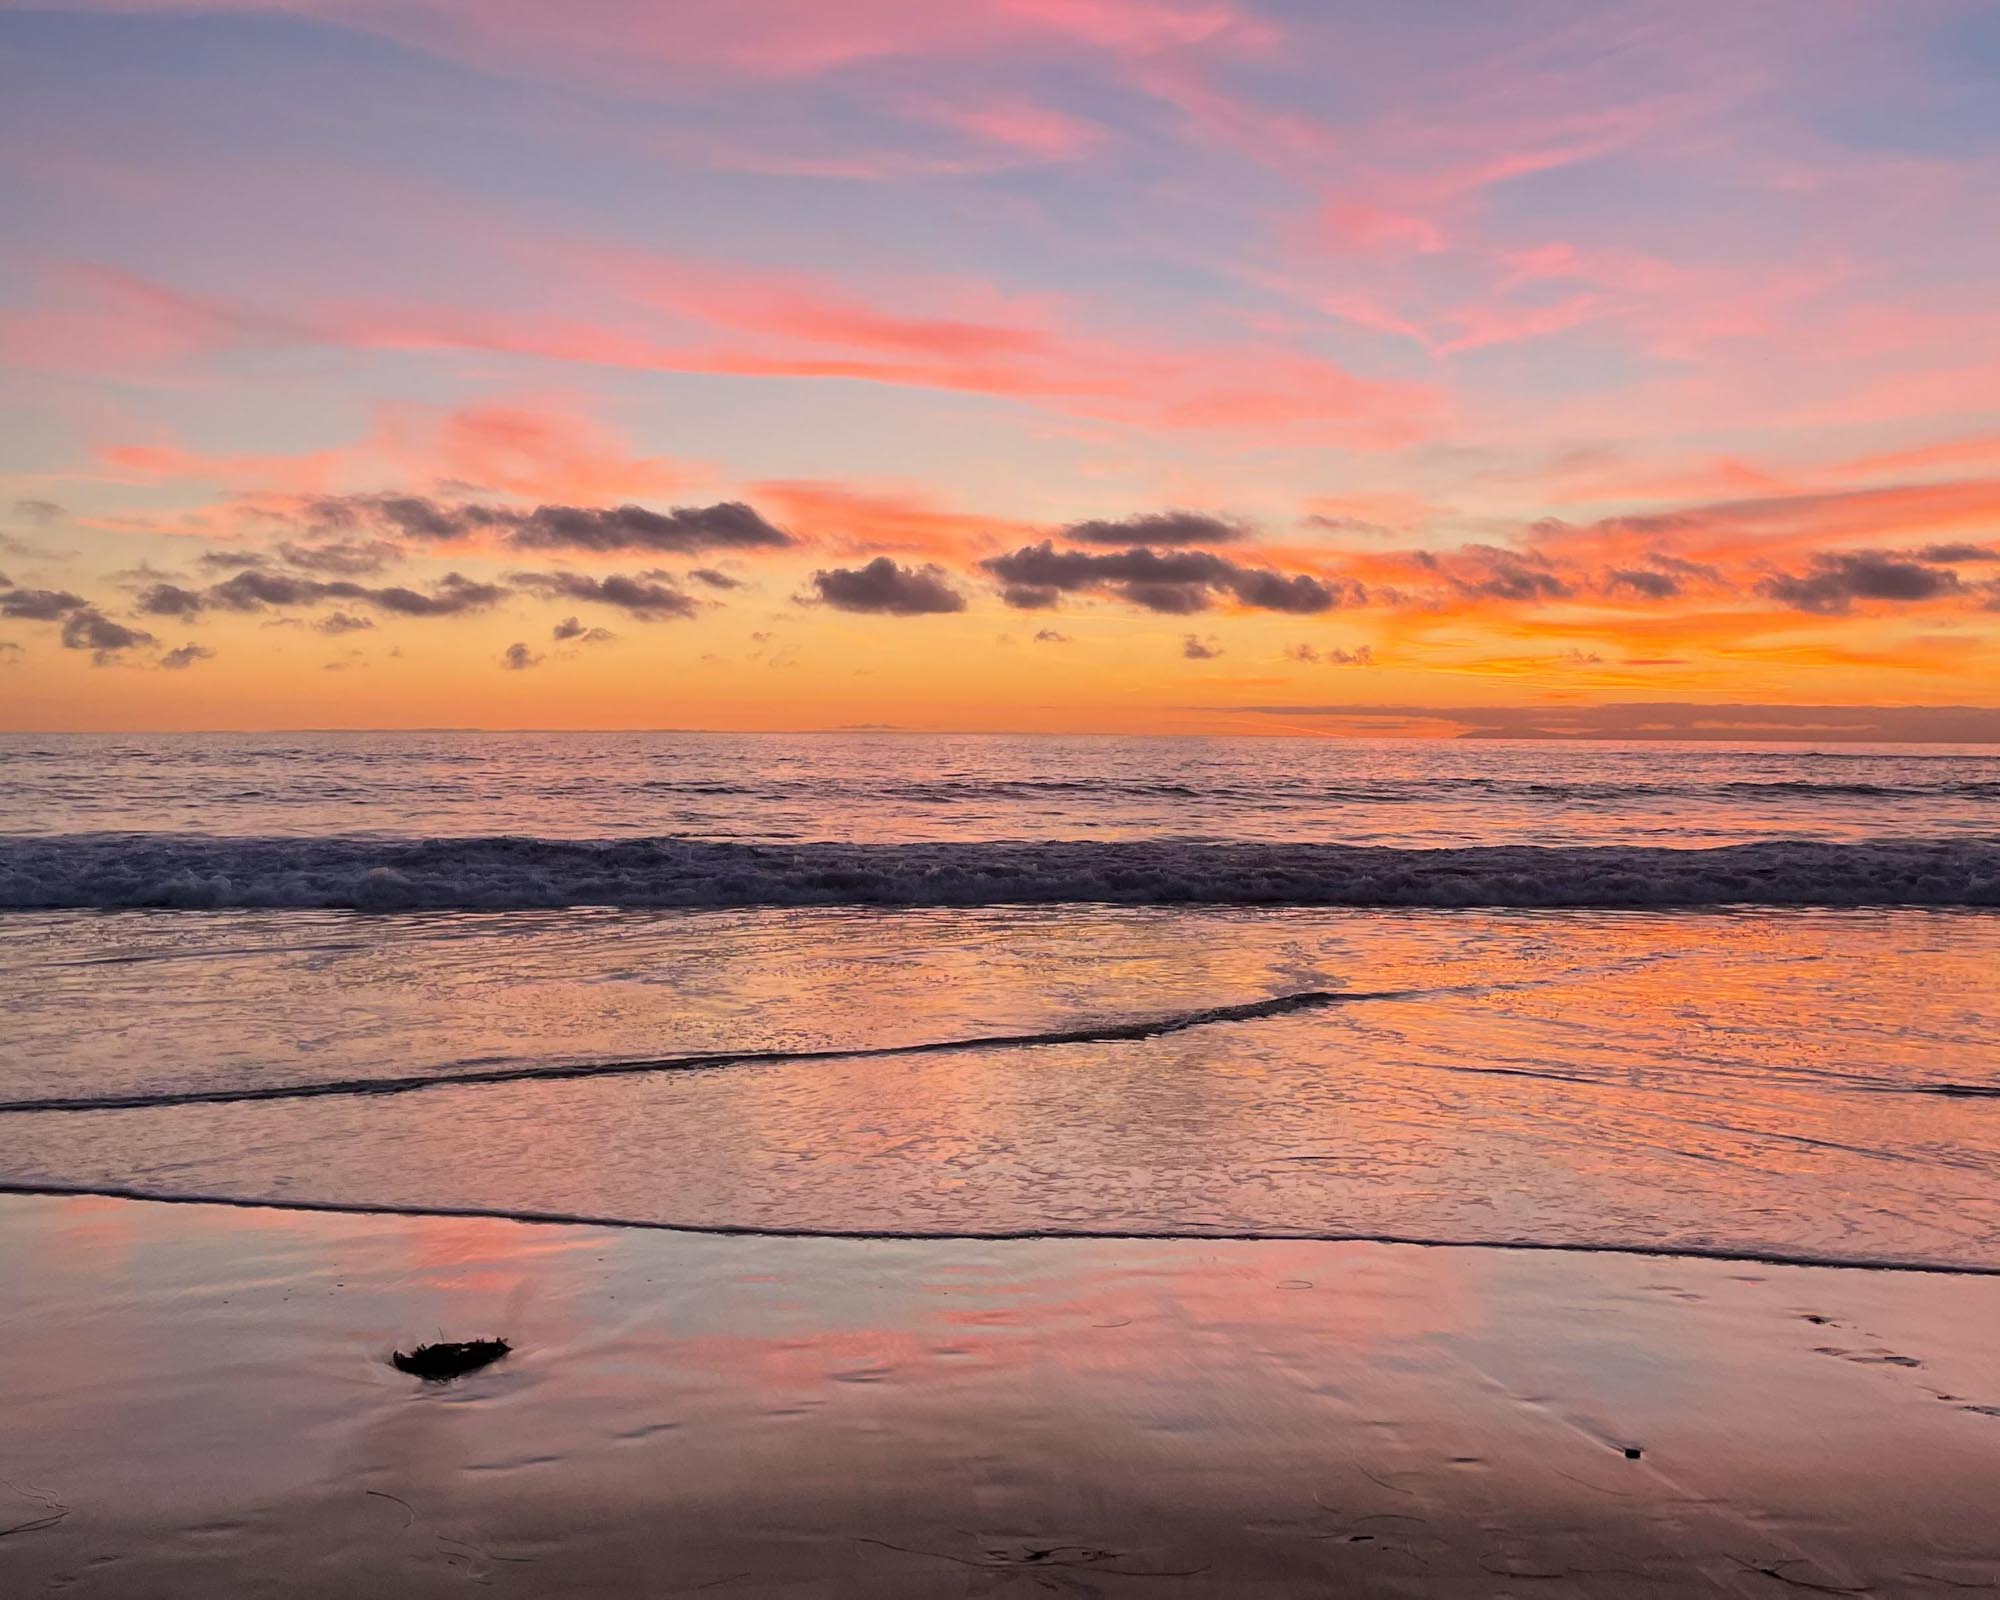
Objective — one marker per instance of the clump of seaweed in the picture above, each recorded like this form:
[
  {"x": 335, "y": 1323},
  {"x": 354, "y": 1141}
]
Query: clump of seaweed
[{"x": 448, "y": 1359}]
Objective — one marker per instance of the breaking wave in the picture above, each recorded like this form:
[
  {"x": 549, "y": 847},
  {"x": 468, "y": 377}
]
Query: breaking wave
[{"x": 196, "y": 872}]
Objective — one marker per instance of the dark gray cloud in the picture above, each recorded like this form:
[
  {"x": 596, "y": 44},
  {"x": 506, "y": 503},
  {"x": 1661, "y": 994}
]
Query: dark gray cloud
[
  {"x": 27, "y": 550},
  {"x": 1169, "y": 599},
  {"x": 1172, "y": 582},
  {"x": 343, "y": 558},
  {"x": 1640, "y": 581},
  {"x": 573, "y": 628},
  {"x": 1198, "y": 649},
  {"x": 336, "y": 623},
  {"x": 1954, "y": 554},
  {"x": 519, "y": 658},
  {"x": 254, "y": 590},
  {"x": 171, "y": 600},
  {"x": 685, "y": 530},
  {"x": 1050, "y": 636},
  {"x": 408, "y": 514},
  {"x": 90, "y": 629},
  {"x": 1157, "y": 528},
  {"x": 886, "y": 589},
  {"x": 1659, "y": 576},
  {"x": 1833, "y": 582},
  {"x": 41, "y": 512},
  {"x": 1295, "y": 592},
  {"x": 714, "y": 579},
  {"x": 232, "y": 560},
  {"x": 186, "y": 656},
  {"x": 1681, "y": 567},
  {"x": 452, "y": 595},
  {"x": 1493, "y": 572},
  {"x": 40, "y": 605},
  {"x": 145, "y": 572},
  {"x": 641, "y": 597}
]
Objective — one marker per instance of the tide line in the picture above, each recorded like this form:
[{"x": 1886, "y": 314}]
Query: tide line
[{"x": 1749, "y": 1255}]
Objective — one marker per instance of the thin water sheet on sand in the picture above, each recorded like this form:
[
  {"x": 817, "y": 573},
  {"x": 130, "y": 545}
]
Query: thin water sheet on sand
[{"x": 1736, "y": 1082}]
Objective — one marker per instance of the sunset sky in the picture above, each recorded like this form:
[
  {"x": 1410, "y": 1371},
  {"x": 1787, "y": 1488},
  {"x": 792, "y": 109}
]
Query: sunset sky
[{"x": 1134, "y": 365}]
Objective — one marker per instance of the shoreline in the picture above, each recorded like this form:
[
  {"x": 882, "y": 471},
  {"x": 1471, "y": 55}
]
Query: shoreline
[
  {"x": 725, "y": 1230},
  {"x": 198, "y": 1395}
]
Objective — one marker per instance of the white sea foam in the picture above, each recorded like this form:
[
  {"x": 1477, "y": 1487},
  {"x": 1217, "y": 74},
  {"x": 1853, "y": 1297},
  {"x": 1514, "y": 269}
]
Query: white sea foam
[{"x": 193, "y": 872}]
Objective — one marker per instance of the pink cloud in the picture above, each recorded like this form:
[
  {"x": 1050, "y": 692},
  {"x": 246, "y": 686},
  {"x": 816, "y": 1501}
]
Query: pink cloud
[
  {"x": 532, "y": 452},
  {"x": 102, "y": 319},
  {"x": 688, "y": 319},
  {"x": 1016, "y": 124},
  {"x": 626, "y": 45},
  {"x": 1489, "y": 324}
]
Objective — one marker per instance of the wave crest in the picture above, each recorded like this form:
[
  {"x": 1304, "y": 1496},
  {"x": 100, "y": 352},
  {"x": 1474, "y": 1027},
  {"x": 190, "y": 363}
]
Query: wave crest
[{"x": 196, "y": 872}]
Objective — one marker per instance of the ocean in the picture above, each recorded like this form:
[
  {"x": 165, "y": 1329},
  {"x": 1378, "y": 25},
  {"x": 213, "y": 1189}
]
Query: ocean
[{"x": 1709, "y": 999}]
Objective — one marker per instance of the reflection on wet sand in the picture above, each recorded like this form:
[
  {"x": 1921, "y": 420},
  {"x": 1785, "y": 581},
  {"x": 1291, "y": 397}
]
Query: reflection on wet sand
[{"x": 204, "y": 1395}]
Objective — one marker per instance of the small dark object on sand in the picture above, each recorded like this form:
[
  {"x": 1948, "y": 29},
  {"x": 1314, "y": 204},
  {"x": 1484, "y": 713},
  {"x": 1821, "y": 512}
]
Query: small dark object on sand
[
  {"x": 1631, "y": 1452},
  {"x": 435, "y": 1363}
]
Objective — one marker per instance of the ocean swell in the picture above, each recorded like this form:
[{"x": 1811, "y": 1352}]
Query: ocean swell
[{"x": 195, "y": 872}]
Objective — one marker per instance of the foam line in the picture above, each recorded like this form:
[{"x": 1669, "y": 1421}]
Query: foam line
[
  {"x": 1104, "y": 1033},
  {"x": 727, "y": 1230}
]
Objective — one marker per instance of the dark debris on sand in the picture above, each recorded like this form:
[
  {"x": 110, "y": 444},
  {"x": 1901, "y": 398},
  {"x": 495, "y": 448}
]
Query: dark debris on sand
[{"x": 437, "y": 1363}]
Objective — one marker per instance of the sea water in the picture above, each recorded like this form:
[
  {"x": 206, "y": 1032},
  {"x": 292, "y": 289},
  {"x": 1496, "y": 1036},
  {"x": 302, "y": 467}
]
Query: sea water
[{"x": 1700, "y": 998}]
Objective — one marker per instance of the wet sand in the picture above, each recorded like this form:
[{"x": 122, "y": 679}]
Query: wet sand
[{"x": 196, "y": 1400}]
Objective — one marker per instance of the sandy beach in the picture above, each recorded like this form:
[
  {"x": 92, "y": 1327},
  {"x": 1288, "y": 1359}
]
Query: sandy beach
[{"x": 198, "y": 1400}]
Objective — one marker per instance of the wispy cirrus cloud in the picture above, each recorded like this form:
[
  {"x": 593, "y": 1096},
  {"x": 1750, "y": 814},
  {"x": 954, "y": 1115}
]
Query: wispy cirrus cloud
[
  {"x": 532, "y": 451},
  {"x": 608, "y": 43},
  {"x": 707, "y": 321}
]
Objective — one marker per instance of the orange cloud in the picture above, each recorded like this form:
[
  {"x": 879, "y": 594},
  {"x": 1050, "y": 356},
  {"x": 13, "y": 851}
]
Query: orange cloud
[
  {"x": 309, "y": 473},
  {"x": 1981, "y": 449},
  {"x": 519, "y": 450},
  {"x": 857, "y": 521}
]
